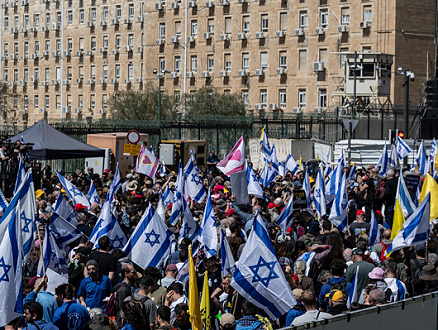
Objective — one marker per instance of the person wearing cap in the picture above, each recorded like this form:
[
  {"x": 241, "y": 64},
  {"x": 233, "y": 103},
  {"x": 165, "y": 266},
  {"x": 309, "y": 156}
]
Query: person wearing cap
[
  {"x": 364, "y": 269},
  {"x": 45, "y": 299},
  {"x": 227, "y": 322},
  {"x": 94, "y": 288},
  {"x": 69, "y": 311},
  {"x": 359, "y": 226},
  {"x": 377, "y": 281},
  {"x": 171, "y": 272},
  {"x": 312, "y": 231},
  {"x": 336, "y": 302},
  {"x": 380, "y": 247},
  {"x": 312, "y": 314},
  {"x": 396, "y": 289}
]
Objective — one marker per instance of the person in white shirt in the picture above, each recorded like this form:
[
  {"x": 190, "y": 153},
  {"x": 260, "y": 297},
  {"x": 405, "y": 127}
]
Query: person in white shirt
[
  {"x": 312, "y": 313},
  {"x": 174, "y": 297}
]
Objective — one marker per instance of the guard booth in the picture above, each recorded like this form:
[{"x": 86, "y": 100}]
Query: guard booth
[
  {"x": 172, "y": 151},
  {"x": 121, "y": 151}
]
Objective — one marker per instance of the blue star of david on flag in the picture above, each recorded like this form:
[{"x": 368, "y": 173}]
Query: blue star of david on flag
[
  {"x": 196, "y": 179},
  {"x": 187, "y": 230},
  {"x": 75, "y": 191},
  {"x": 318, "y": 193},
  {"x": 6, "y": 269},
  {"x": 27, "y": 222},
  {"x": 148, "y": 238},
  {"x": 231, "y": 270},
  {"x": 269, "y": 266},
  {"x": 117, "y": 242}
]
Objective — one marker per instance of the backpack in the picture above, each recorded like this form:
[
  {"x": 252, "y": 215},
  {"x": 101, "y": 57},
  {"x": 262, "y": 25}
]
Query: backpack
[
  {"x": 382, "y": 254},
  {"x": 253, "y": 326},
  {"x": 380, "y": 190},
  {"x": 111, "y": 306},
  {"x": 341, "y": 287}
]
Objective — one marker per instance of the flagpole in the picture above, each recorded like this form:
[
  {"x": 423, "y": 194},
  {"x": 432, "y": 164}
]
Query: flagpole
[{"x": 42, "y": 252}]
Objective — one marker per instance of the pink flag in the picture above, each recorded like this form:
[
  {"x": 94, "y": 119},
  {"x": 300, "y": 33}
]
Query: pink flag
[
  {"x": 147, "y": 163},
  {"x": 235, "y": 160}
]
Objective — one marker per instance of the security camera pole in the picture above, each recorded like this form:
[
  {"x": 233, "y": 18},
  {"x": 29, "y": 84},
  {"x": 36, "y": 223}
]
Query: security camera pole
[{"x": 406, "y": 109}]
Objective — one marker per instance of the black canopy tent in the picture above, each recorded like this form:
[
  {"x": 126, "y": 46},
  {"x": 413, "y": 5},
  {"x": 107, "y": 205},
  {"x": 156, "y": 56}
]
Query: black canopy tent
[{"x": 49, "y": 143}]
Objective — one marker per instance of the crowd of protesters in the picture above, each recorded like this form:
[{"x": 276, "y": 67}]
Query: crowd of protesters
[{"x": 106, "y": 291}]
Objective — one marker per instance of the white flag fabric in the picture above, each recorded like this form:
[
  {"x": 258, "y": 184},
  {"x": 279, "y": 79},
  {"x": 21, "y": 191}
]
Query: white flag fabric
[
  {"x": 94, "y": 197},
  {"x": 63, "y": 231},
  {"x": 28, "y": 214},
  {"x": 115, "y": 184},
  {"x": 147, "y": 163},
  {"x": 264, "y": 145},
  {"x": 338, "y": 212},
  {"x": 258, "y": 276},
  {"x": 352, "y": 295},
  {"x": 208, "y": 231},
  {"x": 415, "y": 230},
  {"x": 274, "y": 159},
  {"x": 228, "y": 265},
  {"x": 167, "y": 196},
  {"x": 281, "y": 169},
  {"x": 253, "y": 185},
  {"x": 3, "y": 202},
  {"x": 291, "y": 165},
  {"x": 319, "y": 195},
  {"x": 149, "y": 244},
  {"x": 21, "y": 174},
  {"x": 307, "y": 189},
  {"x": 11, "y": 274},
  {"x": 383, "y": 161},
  {"x": 267, "y": 175},
  {"x": 285, "y": 220},
  {"x": 73, "y": 192},
  {"x": 431, "y": 159},
  {"x": 421, "y": 159},
  {"x": 235, "y": 160},
  {"x": 183, "y": 272},
  {"x": 193, "y": 183},
  {"x": 189, "y": 228},
  {"x": 178, "y": 196},
  {"x": 374, "y": 231},
  {"x": 160, "y": 208},
  {"x": 53, "y": 258},
  {"x": 393, "y": 156},
  {"x": 404, "y": 197},
  {"x": 402, "y": 148},
  {"x": 335, "y": 178},
  {"x": 64, "y": 210}
]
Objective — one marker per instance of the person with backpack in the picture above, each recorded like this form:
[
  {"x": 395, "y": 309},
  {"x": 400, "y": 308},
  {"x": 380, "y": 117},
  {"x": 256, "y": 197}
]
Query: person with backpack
[
  {"x": 249, "y": 321},
  {"x": 338, "y": 282},
  {"x": 380, "y": 248}
]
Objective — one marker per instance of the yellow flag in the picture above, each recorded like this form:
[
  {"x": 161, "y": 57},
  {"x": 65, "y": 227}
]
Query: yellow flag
[
  {"x": 301, "y": 163},
  {"x": 261, "y": 136},
  {"x": 205, "y": 304},
  {"x": 194, "y": 311},
  {"x": 429, "y": 185},
  {"x": 397, "y": 220}
]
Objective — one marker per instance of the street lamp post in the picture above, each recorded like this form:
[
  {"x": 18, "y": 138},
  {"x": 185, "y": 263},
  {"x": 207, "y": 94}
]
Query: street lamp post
[{"x": 159, "y": 76}]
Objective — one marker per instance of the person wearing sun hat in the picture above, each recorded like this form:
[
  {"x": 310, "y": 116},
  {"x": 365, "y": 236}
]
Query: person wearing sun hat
[{"x": 376, "y": 280}]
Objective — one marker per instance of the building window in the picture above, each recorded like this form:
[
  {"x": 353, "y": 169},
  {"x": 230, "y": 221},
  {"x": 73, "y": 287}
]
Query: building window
[
  {"x": 228, "y": 25},
  {"x": 105, "y": 41},
  {"x": 37, "y": 20},
  {"x": 16, "y": 21},
  {"x": 282, "y": 98},
  {"x": 6, "y": 49},
  {"x": 26, "y": 21},
  {"x": 245, "y": 61},
  {"x": 118, "y": 11},
  {"x": 69, "y": 72},
  {"x": 70, "y": 17},
  {"x": 322, "y": 98},
  {"x": 367, "y": 13},
  {"x": 323, "y": 16},
  {"x": 177, "y": 64},
  {"x": 227, "y": 61},
  {"x": 15, "y": 74},
  {"x": 194, "y": 63},
  {"x": 245, "y": 24},
  {"x": 58, "y": 102},
  {"x": 345, "y": 16},
  {"x": 210, "y": 63},
  {"x": 210, "y": 24},
  {"x": 283, "y": 21},
  {"x": 118, "y": 41},
  {"x": 6, "y": 23},
  {"x": 47, "y": 19},
  {"x": 81, "y": 16},
  {"x": 26, "y": 48},
  {"x": 264, "y": 23},
  {"x": 366, "y": 49},
  {"x": 37, "y": 47},
  {"x": 117, "y": 71},
  {"x": 303, "y": 19},
  {"x": 162, "y": 31},
  {"x": 343, "y": 57},
  {"x": 131, "y": 40},
  {"x": 194, "y": 28},
  {"x": 105, "y": 71},
  {"x": 105, "y": 101},
  {"x": 130, "y": 70},
  {"x": 131, "y": 11},
  {"x": 92, "y": 101},
  {"x": 162, "y": 64},
  {"x": 26, "y": 74},
  {"x": 302, "y": 59},
  {"x": 58, "y": 18},
  {"x": 245, "y": 97},
  {"x": 35, "y": 101},
  {"x": 264, "y": 61},
  {"x": 105, "y": 14},
  {"x": 47, "y": 99},
  {"x": 93, "y": 43},
  {"x": 6, "y": 74},
  {"x": 264, "y": 96},
  {"x": 26, "y": 101},
  {"x": 178, "y": 29},
  {"x": 81, "y": 101},
  {"x": 302, "y": 98},
  {"x": 93, "y": 14},
  {"x": 283, "y": 59},
  {"x": 81, "y": 44},
  {"x": 323, "y": 54},
  {"x": 177, "y": 98}
]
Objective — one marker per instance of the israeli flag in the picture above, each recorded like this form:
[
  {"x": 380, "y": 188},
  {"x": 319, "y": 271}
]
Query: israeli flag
[
  {"x": 352, "y": 174},
  {"x": 152, "y": 151},
  {"x": 3, "y": 202},
  {"x": 307, "y": 189},
  {"x": 64, "y": 210},
  {"x": 258, "y": 276},
  {"x": 177, "y": 206},
  {"x": 163, "y": 168},
  {"x": 421, "y": 159},
  {"x": 189, "y": 228},
  {"x": 352, "y": 295},
  {"x": 417, "y": 196},
  {"x": 208, "y": 231},
  {"x": 338, "y": 212},
  {"x": 193, "y": 183},
  {"x": 107, "y": 225},
  {"x": 393, "y": 156},
  {"x": 28, "y": 215},
  {"x": 160, "y": 208},
  {"x": 183, "y": 272},
  {"x": 264, "y": 145},
  {"x": 285, "y": 220},
  {"x": 404, "y": 197},
  {"x": 167, "y": 196},
  {"x": 307, "y": 257},
  {"x": 335, "y": 178},
  {"x": 53, "y": 258},
  {"x": 319, "y": 195},
  {"x": 374, "y": 231},
  {"x": 402, "y": 148},
  {"x": 281, "y": 169},
  {"x": 115, "y": 184},
  {"x": 228, "y": 265},
  {"x": 383, "y": 161},
  {"x": 72, "y": 192},
  {"x": 253, "y": 185},
  {"x": 415, "y": 230},
  {"x": 11, "y": 274},
  {"x": 274, "y": 159},
  {"x": 431, "y": 159},
  {"x": 63, "y": 231},
  {"x": 291, "y": 165},
  {"x": 267, "y": 175},
  {"x": 149, "y": 244},
  {"x": 20, "y": 176},
  {"x": 94, "y": 197}
]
